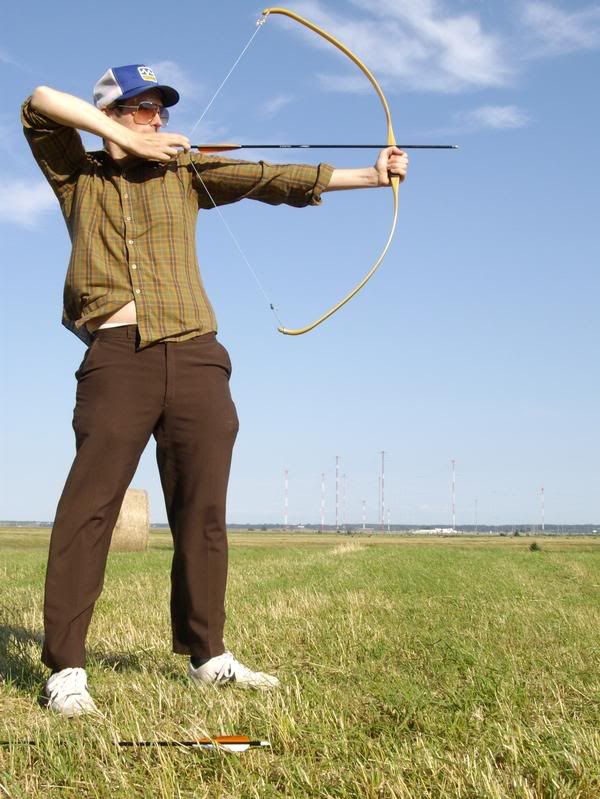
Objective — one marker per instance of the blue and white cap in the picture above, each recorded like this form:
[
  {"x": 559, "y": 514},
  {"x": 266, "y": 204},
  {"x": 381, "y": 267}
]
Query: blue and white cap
[{"x": 120, "y": 83}]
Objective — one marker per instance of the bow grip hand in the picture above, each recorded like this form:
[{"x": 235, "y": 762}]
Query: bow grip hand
[{"x": 392, "y": 162}]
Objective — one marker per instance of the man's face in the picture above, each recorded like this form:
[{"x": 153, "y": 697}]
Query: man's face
[{"x": 126, "y": 116}]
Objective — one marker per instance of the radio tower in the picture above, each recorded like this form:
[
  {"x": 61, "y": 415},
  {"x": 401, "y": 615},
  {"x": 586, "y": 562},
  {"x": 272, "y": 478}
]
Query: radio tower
[
  {"x": 543, "y": 502},
  {"x": 382, "y": 490},
  {"x": 337, "y": 493},
  {"x": 322, "y": 501},
  {"x": 453, "y": 462},
  {"x": 285, "y": 499}
]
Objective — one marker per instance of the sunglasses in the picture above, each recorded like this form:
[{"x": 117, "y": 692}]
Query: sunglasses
[{"x": 144, "y": 112}]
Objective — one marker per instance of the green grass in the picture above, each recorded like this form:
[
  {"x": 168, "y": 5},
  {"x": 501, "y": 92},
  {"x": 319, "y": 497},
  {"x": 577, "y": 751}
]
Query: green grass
[{"x": 413, "y": 668}]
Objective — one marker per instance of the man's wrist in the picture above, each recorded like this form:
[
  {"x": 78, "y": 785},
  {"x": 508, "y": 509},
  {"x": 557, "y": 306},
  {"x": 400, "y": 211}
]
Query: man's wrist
[
  {"x": 373, "y": 177},
  {"x": 119, "y": 135}
]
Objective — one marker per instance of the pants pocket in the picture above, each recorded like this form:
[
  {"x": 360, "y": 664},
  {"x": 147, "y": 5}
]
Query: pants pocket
[{"x": 85, "y": 363}]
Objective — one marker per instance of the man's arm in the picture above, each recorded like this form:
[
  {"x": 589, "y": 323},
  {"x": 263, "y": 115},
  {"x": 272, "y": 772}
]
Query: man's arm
[
  {"x": 70, "y": 111},
  {"x": 228, "y": 180},
  {"x": 391, "y": 162}
]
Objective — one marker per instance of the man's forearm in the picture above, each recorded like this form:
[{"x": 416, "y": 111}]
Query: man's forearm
[
  {"x": 73, "y": 112},
  {"x": 365, "y": 178},
  {"x": 66, "y": 109},
  {"x": 391, "y": 162}
]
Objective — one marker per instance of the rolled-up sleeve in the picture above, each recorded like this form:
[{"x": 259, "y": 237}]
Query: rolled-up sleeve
[
  {"x": 227, "y": 181},
  {"x": 57, "y": 149}
]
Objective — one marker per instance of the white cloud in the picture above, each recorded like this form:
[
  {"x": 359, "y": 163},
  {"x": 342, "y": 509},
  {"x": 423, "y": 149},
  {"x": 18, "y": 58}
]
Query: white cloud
[
  {"x": 415, "y": 44},
  {"x": 9, "y": 60},
  {"x": 23, "y": 203},
  {"x": 185, "y": 115},
  {"x": 273, "y": 106},
  {"x": 486, "y": 117},
  {"x": 555, "y": 31},
  {"x": 498, "y": 117},
  {"x": 6, "y": 58},
  {"x": 208, "y": 132},
  {"x": 171, "y": 74}
]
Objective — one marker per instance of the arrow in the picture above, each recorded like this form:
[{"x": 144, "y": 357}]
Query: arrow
[
  {"x": 230, "y": 743},
  {"x": 216, "y": 148}
]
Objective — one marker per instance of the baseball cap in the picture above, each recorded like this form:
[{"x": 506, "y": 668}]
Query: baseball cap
[{"x": 120, "y": 83}]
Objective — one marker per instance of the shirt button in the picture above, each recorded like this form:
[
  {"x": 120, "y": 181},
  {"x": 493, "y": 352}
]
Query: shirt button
[
  {"x": 125, "y": 196},
  {"x": 130, "y": 241},
  {"x": 128, "y": 218},
  {"x": 138, "y": 291},
  {"x": 134, "y": 266}
]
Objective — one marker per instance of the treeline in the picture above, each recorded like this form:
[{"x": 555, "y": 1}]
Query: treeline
[{"x": 465, "y": 529}]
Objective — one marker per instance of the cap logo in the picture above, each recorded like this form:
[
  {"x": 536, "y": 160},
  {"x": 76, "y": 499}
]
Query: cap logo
[{"x": 147, "y": 74}]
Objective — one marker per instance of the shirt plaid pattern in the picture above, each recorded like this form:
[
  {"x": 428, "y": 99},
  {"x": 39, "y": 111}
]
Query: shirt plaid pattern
[{"x": 133, "y": 229}]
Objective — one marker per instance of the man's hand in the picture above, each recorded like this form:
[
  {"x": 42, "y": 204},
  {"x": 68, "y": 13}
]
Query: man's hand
[
  {"x": 162, "y": 147},
  {"x": 392, "y": 162}
]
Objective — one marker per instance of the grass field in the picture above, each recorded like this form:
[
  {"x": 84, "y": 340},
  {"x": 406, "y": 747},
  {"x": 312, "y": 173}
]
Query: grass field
[{"x": 412, "y": 668}]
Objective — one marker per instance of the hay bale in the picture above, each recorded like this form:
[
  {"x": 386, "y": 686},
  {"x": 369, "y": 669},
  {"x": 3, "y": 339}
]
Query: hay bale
[{"x": 133, "y": 525}]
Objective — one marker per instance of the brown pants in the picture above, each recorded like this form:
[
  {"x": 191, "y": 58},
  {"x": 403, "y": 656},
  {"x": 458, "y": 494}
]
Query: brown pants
[{"x": 178, "y": 391}]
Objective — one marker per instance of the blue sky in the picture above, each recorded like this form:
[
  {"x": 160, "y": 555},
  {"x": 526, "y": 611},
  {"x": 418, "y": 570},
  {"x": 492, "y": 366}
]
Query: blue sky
[{"x": 477, "y": 340}]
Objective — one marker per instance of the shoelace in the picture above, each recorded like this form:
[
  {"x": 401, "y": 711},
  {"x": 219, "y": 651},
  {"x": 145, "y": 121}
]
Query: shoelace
[
  {"x": 73, "y": 681},
  {"x": 227, "y": 671}
]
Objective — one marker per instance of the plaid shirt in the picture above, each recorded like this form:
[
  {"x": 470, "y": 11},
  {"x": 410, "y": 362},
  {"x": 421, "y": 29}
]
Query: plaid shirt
[{"x": 133, "y": 229}]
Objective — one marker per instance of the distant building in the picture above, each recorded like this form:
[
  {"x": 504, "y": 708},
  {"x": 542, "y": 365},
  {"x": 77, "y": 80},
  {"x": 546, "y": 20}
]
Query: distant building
[{"x": 434, "y": 531}]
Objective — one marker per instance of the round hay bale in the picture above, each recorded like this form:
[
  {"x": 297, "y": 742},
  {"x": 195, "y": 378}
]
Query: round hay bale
[{"x": 133, "y": 525}]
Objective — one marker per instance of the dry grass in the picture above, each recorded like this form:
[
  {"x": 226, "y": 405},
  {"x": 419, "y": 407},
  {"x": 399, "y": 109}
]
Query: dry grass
[{"x": 411, "y": 669}]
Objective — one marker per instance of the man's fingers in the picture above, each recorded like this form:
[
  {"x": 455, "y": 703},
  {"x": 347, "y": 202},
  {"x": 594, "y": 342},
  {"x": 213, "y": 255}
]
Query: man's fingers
[
  {"x": 177, "y": 140},
  {"x": 398, "y": 158},
  {"x": 397, "y": 163},
  {"x": 163, "y": 147},
  {"x": 398, "y": 166}
]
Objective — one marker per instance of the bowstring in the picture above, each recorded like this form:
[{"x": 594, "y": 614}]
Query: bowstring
[
  {"x": 259, "y": 23},
  {"x": 238, "y": 246}
]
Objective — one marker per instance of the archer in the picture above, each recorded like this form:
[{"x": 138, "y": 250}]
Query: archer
[{"x": 153, "y": 365}]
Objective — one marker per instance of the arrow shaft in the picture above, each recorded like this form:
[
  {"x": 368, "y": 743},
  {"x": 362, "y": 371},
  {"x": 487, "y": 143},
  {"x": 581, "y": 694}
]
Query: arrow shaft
[
  {"x": 221, "y": 147},
  {"x": 201, "y": 743}
]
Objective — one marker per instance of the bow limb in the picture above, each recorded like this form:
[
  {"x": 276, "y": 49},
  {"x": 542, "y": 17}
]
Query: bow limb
[{"x": 391, "y": 139}]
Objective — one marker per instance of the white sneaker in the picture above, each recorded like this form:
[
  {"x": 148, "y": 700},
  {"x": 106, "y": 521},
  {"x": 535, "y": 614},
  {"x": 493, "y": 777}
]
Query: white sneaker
[
  {"x": 66, "y": 692},
  {"x": 225, "y": 669}
]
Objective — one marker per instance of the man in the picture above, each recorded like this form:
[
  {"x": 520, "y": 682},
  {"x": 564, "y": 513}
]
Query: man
[{"x": 153, "y": 365}]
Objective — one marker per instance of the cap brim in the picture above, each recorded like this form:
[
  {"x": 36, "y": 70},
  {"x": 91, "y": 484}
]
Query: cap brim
[{"x": 169, "y": 94}]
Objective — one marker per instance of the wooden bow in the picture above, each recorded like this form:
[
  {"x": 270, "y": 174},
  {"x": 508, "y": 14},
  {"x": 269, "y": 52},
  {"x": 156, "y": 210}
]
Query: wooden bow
[{"x": 391, "y": 140}]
